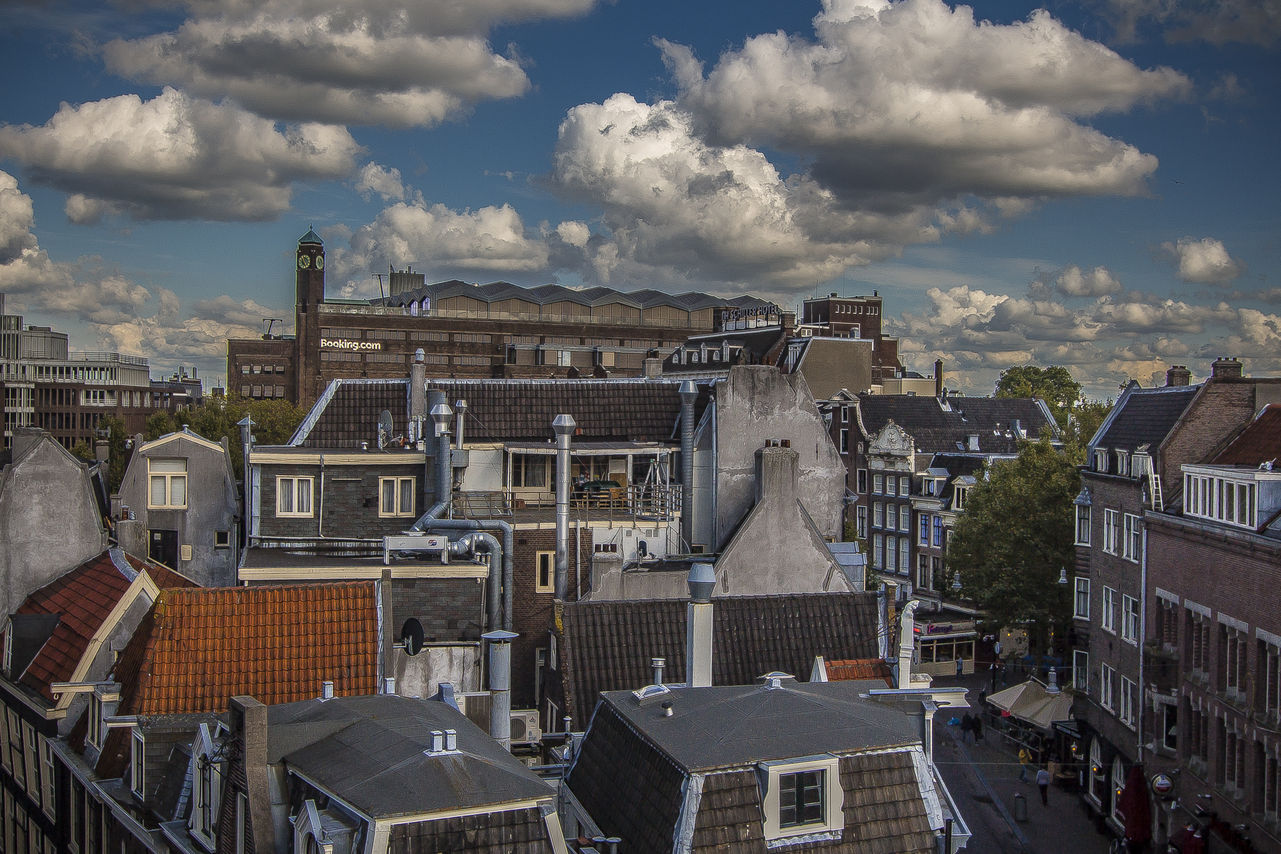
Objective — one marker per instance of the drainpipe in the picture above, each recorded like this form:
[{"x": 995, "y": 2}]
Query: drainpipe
[
  {"x": 479, "y": 541},
  {"x": 564, "y": 426},
  {"x": 500, "y": 567},
  {"x": 500, "y": 686},
  {"x": 689, "y": 393},
  {"x": 441, "y": 415}
]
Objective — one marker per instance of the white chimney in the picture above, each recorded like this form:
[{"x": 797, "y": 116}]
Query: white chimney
[
  {"x": 327, "y": 690},
  {"x": 389, "y": 685},
  {"x": 451, "y": 739},
  {"x": 698, "y": 626}
]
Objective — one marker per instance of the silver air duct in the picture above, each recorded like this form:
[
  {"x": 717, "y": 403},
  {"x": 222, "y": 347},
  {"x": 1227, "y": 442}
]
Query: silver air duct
[
  {"x": 689, "y": 393},
  {"x": 698, "y": 626},
  {"x": 564, "y": 426},
  {"x": 500, "y": 686},
  {"x": 441, "y": 415}
]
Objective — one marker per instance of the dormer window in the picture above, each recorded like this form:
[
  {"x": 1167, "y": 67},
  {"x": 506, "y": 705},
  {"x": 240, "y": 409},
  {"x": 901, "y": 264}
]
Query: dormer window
[
  {"x": 1123, "y": 463},
  {"x": 1101, "y": 460},
  {"x": 137, "y": 762},
  {"x": 802, "y": 797},
  {"x": 958, "y": 497}
]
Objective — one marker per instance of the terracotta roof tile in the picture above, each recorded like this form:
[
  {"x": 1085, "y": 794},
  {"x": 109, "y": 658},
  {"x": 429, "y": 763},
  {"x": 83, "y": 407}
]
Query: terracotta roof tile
[
  {"x": 82, "y": 599},
  {"x": 1260, "y": 442},
  {"x": 859, "y": 668},
  {"x": 198, "y": 647}
]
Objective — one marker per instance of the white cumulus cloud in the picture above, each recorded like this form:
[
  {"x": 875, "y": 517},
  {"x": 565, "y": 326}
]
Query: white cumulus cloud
[
  {"x": 176, "y": 157},
  {"x": 1206, "y": 260},
  {"x": 399, "y": 64}
]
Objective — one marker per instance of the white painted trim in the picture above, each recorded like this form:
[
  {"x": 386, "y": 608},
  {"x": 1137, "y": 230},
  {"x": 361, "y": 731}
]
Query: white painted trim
[
  {"x": 368, "y": 458},
  {"x": 1172, "y": 598},
  {"x": 1196, "y": 608},
  {"x": 1267, "y": 636},
  {"x": 1234, "y": 623},
  {"x": 362, "y": 572},
  {"x": 925, "y": 782}
]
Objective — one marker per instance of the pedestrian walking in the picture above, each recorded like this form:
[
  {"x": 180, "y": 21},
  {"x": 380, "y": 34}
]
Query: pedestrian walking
[
  {"x": 960, "y": 666},
  {"x": 1025, "y": 760},
  {"x": 978, "y": 727},
  {"x": 1043, "y": 783},
  {"x": 967, "y": 725}
]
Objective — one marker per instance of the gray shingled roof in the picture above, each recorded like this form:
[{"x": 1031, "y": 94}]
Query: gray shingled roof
[
  {"x": 939, "y": 430},
  {"x": 369, "y": 752},
  {"x": 1145, "y": 417},
  {"x": 741, "y": 725},
  {"x": 607, "y": 646},
  {"x": 504, "y": 410},
  {"x": 546, "y": 294}
]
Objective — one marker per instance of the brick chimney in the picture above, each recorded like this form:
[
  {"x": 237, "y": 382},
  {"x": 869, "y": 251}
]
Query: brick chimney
[
  {"x": 1177, "y": 375},
  {"x": 776, "y": 471},
  {"x": 1227, "y": 368}
]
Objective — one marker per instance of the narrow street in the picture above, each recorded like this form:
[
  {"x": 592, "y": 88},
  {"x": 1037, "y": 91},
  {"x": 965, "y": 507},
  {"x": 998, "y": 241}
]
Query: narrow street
[{"x": 984, "y": 779}]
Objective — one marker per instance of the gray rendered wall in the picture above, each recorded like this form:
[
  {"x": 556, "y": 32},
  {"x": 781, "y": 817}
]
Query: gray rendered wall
[
  {"x": 48, "y": 518},
  {"x": 756, "y": 403},
  {"x": 212, "y": 505}
]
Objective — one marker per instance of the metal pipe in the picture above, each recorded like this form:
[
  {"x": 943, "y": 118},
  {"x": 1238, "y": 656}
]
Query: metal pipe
[
  {"x": 441, "y": 415},
  {"x": 500, "y": 578},
  {"x": 500, "y": 706},
  {"x": 688, "y": 393},
  {"x": 460, "y": 415},
  {"x": 482, "y": 542},
  {"x": 563, "y": 425}
]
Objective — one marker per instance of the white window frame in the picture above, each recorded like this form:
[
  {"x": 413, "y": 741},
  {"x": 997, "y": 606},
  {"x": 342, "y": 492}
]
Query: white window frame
[
  {"x": 1132, "y": 538},
  {"x": 1107, "y": 687},
  {"x": 958, "y": 497},
  {"x": 291, "y": 485},
  {"x": 159, "y": 471},
  {"x": 1125, "y": 697},
  {"x": 1101, "y": 460},
  {"x": 1107, "y": 617},
  {"x": 905, "y": 518},
  {"x": 1081, "y": 594},
  {"x": 833, "y": 820},
  {"x": 1129, "y": 619},
  {"x": 845, "y": 441},
  {"x": 923, "y": 537},
  {"x": 402, "y": 504},
  {"x": 860, "y": 522},
  {"x": 137, "y": 762},
  {"x": 206, "y": 783},
  {"x": 904, "y": 485},
  {"x": 48, "y": 780},
  {"x": 1111, "y": 529},
  {"x": 545, "y": 564},
  {"x": 878, "y": 483},
  {"x": 1083, "y": 524},
  {"x": 94, "y": 732},
  {"x": 1080, "y": 669}
]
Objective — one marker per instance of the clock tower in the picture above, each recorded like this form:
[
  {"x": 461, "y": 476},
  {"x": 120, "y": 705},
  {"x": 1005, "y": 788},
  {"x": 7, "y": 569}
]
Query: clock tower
[{"x": 309, "y": 277}]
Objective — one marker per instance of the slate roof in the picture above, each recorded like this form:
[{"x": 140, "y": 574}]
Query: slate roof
[
  {"x": 82, "y": 599},
  {"x": 545, "y": 294},
  {"x": 504, "y": 410},
  {"x": 607, "y": 646},
  {"x": 631, "y": 769},
  {"x": 1145, "y": 416},
  {"x": 198, "y": 647},
  {"x": 369, "y": 752},
  {"x": 938, "y": 430},
  {"x": 1258, "y": 443}
]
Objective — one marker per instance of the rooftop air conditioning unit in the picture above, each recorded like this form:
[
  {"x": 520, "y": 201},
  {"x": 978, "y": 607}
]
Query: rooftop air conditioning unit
[{"x": 525, "y": 728}]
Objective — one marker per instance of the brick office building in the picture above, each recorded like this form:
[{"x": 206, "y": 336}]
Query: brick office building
[
  {"x": 478, "y": 331},
  {"x": 1135, "y": 469},
  {"x": 1213, "y": 659}
]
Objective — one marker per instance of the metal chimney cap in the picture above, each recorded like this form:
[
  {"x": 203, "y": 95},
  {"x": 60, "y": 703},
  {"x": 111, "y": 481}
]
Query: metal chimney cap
[
  {"x": 499, "y": 635},
  {"x": 460, "y": 404},
  {"x": 420, "y": 355},
  {"x": 688, "y": 391},
  {"x": 701, "y": 582},
  {"x": 441, "y": 413},
  {"x": 564, "y": 424}
]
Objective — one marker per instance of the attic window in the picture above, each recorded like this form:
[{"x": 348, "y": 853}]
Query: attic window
[
  {"x": 1101, "y": 460},
  {"x": 802, "y": 800},
  {"x": 137, "y": 762}
]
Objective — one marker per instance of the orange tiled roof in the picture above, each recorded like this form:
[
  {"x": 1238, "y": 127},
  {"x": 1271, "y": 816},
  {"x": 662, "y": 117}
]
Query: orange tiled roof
[
  {"x": 82, "y": 599},
  {"x": 198, "y": 647},
  {"x": 859, "y": 668}
]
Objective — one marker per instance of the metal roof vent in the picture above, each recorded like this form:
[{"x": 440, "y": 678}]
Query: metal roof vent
[
  {"x": 701, "y": 581},
  {"x": 775, "y": 679},
  {"x": 651, "y": 694},
  {"x": 327, "y": 690}
]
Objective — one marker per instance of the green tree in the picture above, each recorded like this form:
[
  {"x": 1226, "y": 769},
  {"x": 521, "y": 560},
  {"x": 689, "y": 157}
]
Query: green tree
[
  {"x": 1084, "y": 422},
  {"x": 1014, "y": 537},
  {"x": 274, "y": 422},
  {"x": 1054, "y": 385}
]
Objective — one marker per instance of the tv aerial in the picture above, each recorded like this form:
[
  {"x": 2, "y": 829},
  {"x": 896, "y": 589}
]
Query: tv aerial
[{"x": 384, "y": 428}]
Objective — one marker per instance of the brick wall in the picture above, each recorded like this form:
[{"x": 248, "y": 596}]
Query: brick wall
[
  {"x": 532, "y": 611},
  {"x": 1221, "y": 409},
  {"x": 349, "y": 502},
  {"x": 449, "y": 608}
]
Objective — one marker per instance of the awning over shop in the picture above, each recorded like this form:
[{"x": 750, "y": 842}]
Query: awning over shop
[{"x": 1031, "y": 703}]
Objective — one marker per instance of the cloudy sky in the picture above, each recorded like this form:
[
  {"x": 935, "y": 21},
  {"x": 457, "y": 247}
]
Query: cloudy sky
[{"x": 1093, "y": 183}]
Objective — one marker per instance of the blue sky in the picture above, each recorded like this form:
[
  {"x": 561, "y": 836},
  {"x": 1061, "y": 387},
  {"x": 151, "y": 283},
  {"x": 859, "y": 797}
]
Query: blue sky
[{"x": 1092, "y": 184}]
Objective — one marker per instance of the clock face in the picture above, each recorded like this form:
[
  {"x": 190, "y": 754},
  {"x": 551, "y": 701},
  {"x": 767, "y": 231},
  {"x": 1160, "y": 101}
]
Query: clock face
[
  {"x": 320, "y": 262},
  {"x": 304, "y": 261}
]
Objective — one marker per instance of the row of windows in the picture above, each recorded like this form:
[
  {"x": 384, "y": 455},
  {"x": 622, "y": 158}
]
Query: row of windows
[
  {"x": 262, "y": 391},
  {"x": 1129, "y": 611},
  {"x": 1220, "y": 500},
  {"x": 28, "y": 757},
  {"x": 396, "y": 496},
  {"x": 1119, "y": 699},
  {"x": 1227, "y": 666},
  {"x": 887, "y": 517},
  {"x": 1122, "y": 532},
  {"x": 890, "y": 485}
]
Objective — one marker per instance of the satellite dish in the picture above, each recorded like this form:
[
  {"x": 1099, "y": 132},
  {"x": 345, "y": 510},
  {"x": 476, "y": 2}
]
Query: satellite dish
[
  {"x": 384, "y": 428},
  {"x": 411, "y": 636}
]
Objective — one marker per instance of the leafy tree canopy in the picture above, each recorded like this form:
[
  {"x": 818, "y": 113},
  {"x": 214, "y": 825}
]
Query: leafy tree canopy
[
  {"x": 1054, "y": 385},
  {"x": 1015, "y": 535},
  {"x": 274, "y": 422}
]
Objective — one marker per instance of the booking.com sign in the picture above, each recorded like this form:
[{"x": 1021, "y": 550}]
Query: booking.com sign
[{"x": 349, "y": 344}]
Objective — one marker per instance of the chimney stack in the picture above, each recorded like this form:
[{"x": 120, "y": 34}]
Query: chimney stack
[
  {"x": 938, "y": 378},
  {"x": 652, "y": 367},
  {"x": 500, "y": 686},
  {"x": 564, "y": 426},
  {"x": 1227, "y": 368},
  {"x": 389, "y": 685},
  {"x": 689, "y": 394},
  {"x": 698, "y": 626},
  {"x": 327, "y": 690},
  {"x": 1178, "y": 375},
  {"x": 658, "y": 664}
]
